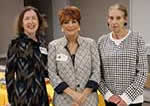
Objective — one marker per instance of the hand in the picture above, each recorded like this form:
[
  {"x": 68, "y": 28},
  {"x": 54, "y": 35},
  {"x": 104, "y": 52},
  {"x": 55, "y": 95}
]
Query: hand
[
  {"x": 114, "y": 99},
  {"x": 82, "y": 98},
  {"x": 122, "y": 103},
  {"x": 85, "y": 93},
  {"x": 72, "y": 93},
  {"x": 75, "y": 95},
  {"x": 79, "y": 98},
  {"x": 75, "y": 104}
]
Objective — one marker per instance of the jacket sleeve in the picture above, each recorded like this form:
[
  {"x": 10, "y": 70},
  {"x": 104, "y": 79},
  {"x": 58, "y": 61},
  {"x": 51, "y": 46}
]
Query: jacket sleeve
[
  {"x": 136, "y": 88},
  {"x": 10, "y": 71},
  {"x": 104, "y": 90},
  {"x": 102, "y": 86},
  {"x": 57, "y": 82},
  {"x": 95, "y": 72}
]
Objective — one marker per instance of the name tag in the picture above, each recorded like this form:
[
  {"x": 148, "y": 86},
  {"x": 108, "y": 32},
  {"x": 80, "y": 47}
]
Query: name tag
[
  {"x": 61, "y": 57},
  {"x": 43, "y": 50}
]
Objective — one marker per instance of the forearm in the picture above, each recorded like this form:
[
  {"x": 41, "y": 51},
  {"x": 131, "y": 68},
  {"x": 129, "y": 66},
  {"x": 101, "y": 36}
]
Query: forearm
[
  {"x": 69, "y": 92},
  {"x": 135, "y": 89},
  {"x": 87, "y": 91}
]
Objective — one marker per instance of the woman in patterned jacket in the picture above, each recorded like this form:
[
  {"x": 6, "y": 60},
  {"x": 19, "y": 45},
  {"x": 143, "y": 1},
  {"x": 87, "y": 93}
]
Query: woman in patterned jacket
[
  {"x": 124, "y": 62},
  {"x": 73, "y": 63},
  {"x": 27, "y": 62}
]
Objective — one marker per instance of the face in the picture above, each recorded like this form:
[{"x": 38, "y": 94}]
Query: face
[
  {"x": 71, "y": 27},
  {"x": 116, "y": 20},
  {"x": 30, "y": 22}
]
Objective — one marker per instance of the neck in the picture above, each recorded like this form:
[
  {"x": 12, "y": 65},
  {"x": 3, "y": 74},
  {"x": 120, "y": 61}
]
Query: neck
[
  {"x": 31, "y": 35},
  {"x": 72, "y": 38},
  {"x": 119, "y": 35}
]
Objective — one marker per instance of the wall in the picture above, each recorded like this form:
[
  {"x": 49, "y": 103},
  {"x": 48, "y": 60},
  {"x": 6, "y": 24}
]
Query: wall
[
  {"x": 8, "y": 10},
  {"x": 140, "y": 18},
  {"x": 93, "y": 22},
  {"x": 56, "y": 5}
]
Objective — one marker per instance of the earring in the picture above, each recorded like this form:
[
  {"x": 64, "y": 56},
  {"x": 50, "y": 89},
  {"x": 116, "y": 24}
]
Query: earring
[
  {"x": 62, "y": 30},
  {"x": 125, "y": 24},
  {"x": 79, "y": 29}
]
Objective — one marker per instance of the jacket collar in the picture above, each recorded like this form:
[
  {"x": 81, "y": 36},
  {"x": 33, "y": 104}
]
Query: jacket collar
[{"x": 65, "y": 41}]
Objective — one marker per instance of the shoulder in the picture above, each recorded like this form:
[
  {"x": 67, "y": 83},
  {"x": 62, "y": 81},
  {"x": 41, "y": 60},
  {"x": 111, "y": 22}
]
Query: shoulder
[
  {"x": 20, "y": 43},
  {"x": 137, "y": 36},
  {"x": 86, "y": 42},
  {"x": 86, "y": 39},
  {"x": 14, "y": 42},
  {"x": 134, "y": 34},
  {"x": 13, "y": 46},
  {"x": 103, "y": 38},
  {"x": 57, "y": 41}
]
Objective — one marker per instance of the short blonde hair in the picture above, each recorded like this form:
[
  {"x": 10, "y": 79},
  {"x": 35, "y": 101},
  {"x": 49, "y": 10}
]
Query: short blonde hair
[{"x": 119, "y": 7}]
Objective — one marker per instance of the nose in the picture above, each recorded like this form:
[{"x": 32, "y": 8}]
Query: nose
[
  {"x": 114, "y": 21},
  {"x": 70, "y": 24},
  {"x": 30, "y": 20}
]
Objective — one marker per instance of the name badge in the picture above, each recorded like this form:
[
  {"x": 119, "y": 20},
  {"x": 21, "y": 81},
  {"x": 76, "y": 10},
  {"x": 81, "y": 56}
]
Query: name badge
[
  {"x": 43, "y": 50},
  {"x": 61, "y": 57}
]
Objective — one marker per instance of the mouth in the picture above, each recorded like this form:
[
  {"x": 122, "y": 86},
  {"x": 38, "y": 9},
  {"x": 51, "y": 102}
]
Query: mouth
[
  {"x": 31, "y": 26},
  {"x": 70, "y": 29},
  {"x": 114, "y": 27}
]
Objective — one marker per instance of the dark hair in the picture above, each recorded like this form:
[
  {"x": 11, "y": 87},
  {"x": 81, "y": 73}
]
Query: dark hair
[
  {"x": 19, "y": 21},
  {"x": 68, "y": 13},
  {"x": 121, "y": 8}
]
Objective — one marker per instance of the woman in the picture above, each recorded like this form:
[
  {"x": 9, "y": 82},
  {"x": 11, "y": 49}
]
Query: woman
[
  {"x": 73, "y": 63},
  {"x": 124, "y": 62},
  {"x": 26, "y": 62}
]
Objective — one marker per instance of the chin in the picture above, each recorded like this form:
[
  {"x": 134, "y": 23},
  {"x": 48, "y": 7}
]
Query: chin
[
  {"x": 32, "y": 31},
  {"x": 70, "y": 34},
  {"x": 115, "y": 30}
]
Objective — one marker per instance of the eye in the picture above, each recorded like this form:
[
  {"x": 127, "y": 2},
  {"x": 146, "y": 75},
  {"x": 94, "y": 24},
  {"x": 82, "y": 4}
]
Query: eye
[
  {"x": 66, "y": 22},
  {"x": 74, "y": 21},
  {"x": 34, "y": 18},
  {"x": 26, "y": 18},
  {"x": 118, "y": 18},
  {"x": 111, "y": 17}
]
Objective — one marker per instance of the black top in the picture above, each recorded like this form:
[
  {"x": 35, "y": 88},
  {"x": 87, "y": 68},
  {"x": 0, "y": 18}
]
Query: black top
[{"x": 25, "y": 72}]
